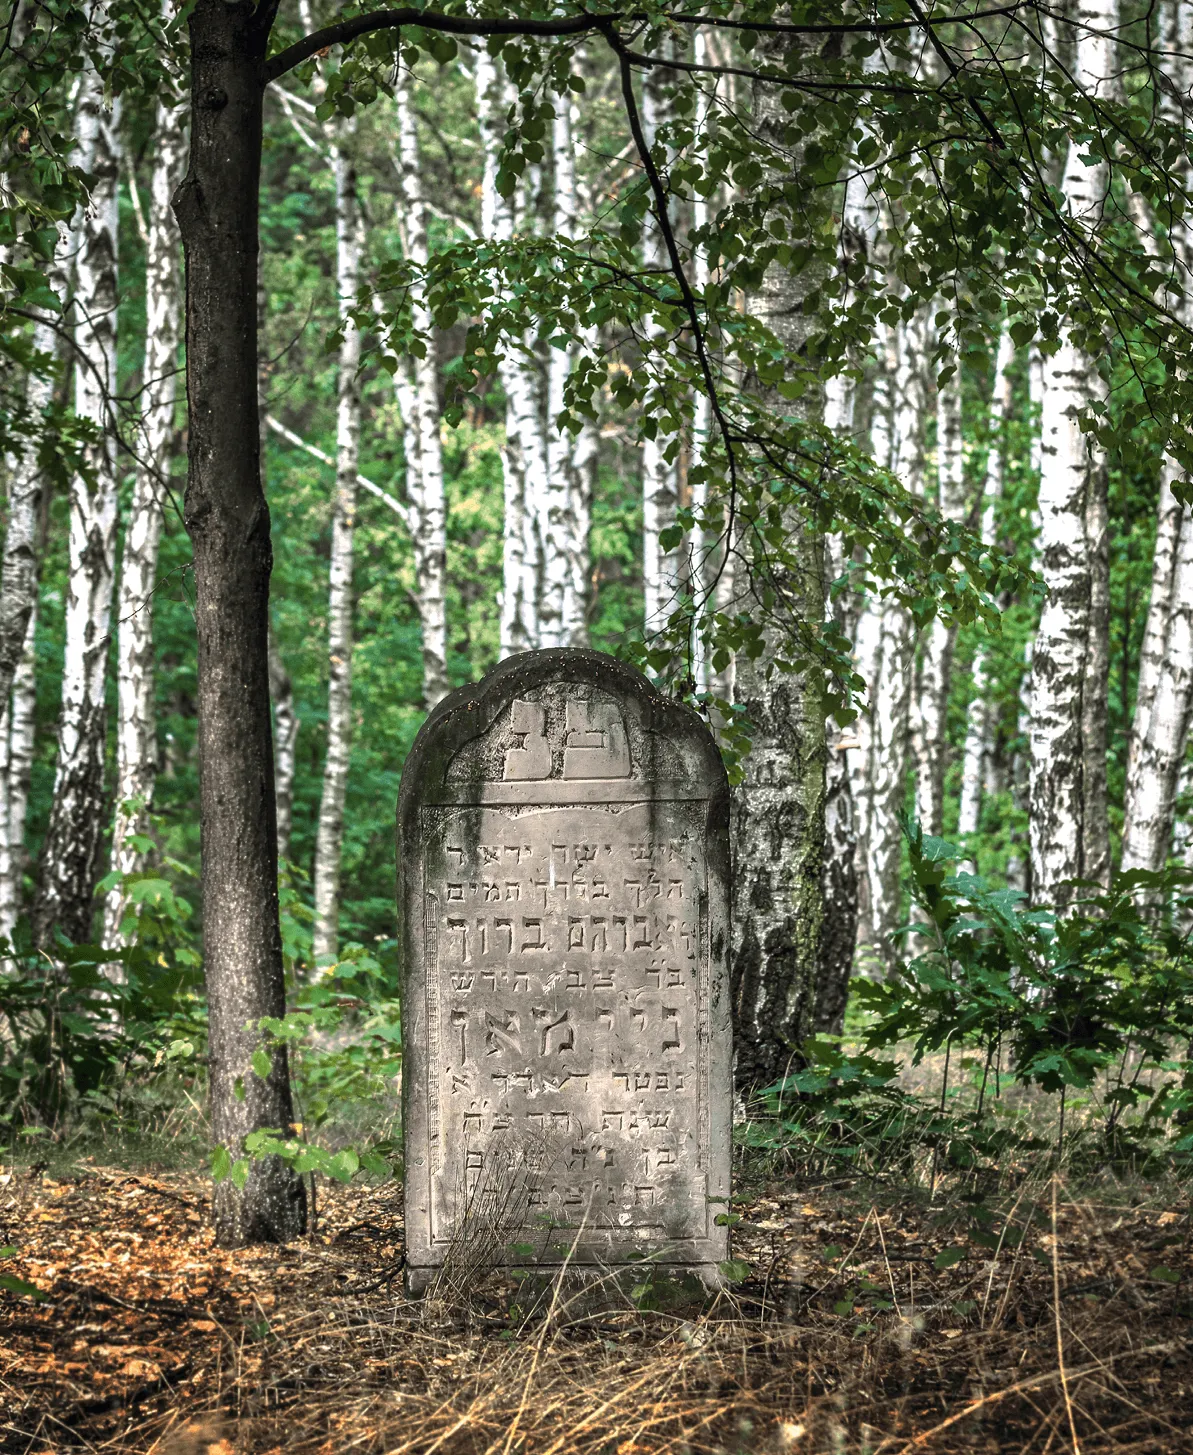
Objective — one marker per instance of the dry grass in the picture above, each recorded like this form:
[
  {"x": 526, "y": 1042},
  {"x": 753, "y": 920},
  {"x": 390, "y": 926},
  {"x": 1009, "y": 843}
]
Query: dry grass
[{"x": 1076, "y": 1339}]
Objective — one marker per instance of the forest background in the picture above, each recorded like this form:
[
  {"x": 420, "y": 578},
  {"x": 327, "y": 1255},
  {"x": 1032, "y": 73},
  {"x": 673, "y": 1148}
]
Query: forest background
[{"x": 1004, "y": 420}]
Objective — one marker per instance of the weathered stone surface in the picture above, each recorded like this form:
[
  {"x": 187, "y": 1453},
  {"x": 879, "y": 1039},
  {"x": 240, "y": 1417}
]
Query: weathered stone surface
[{"x": 563, "y": 862}]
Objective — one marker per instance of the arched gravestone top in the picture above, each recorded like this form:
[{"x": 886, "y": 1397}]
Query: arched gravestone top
[{"x": 563, "y": 864}]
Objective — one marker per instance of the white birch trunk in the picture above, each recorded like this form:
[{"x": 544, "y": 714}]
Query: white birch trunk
[
  {"x": 1159, "y": 728},
  {"x": 867, "y": 656},
  {"x": 1170, "y": 517},
  {"x": 978, "y": 718},
  {"x": 527, "y": 388},
  {"x": 71, "y": 849},
  {"x": 936, "y": 664},
  {"x": 19, "y": 602},
  {"x": 519, "y": 576},
  {"x": 571, "y": 459},
  {"x": 329, "y": 839},
  {"x": 1069, "y": 837},
  {"x": 18, "y": 573},
  {"x": 661, "y": 584},
  {"x": 285, "y": 740},
  {"x": 1160, "y": 751},
  {"x": 886, "y": 649},
  {"x": 556, "y": 609},
  {"x": 710, "y": 561},
  {"x": 136, "y": 736},
  {"x": 427, "y": 497},
  {"x": 17, "y": 728}
]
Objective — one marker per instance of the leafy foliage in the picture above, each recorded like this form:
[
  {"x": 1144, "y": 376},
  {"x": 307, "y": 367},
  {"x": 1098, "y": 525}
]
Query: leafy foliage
[
  {"x": 75, "y": 1024},
  {"x": 1099, "y": 997}
]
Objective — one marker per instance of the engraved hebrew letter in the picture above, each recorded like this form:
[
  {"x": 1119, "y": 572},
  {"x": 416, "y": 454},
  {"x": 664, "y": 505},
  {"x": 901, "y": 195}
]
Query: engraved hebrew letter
[
  {"x": 562, "y": 1025},
  {"x": 532, "y": 759},
  {"x": 501, "y": 1033},
  {"x": 595, "y": 746}
]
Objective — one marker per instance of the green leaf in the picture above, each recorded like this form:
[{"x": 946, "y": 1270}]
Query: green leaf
[
  {"x": 262, "y": 1063},
  {"x": 344, "y": 1165},
  {"x": 11, "y": 1284},
  {"x": 221, "y": 1164},
  {"x": 1165, "y": 1275},
  {"x": 949, "y": 1258},
  {"x": 734, "y": 1270},
  {"x": 240, "y": 1173},
  {"x": 375, "y": 1164}
]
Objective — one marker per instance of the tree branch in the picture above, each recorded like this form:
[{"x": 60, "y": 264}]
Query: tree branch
[
  {"x": 857, "y": 27},
  {"x": 403, "y": 512},
  {"x": 344, "y": 31}
]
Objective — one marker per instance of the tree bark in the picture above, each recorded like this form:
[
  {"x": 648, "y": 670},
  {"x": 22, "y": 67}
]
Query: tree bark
[
  {"x": 136, "y": 736},
  {"x": 1159, "y": 728},
  {"x": 978, "y": 716},
  {"x": 24, "y": 541},
  {"x": 228, "y": 522},
  {"x": 777, "y": 829},
  {"x": 1158, "y": 750},
  {"x": 1170, "y": 517},
  {"x": 18, "y": 570},
  {"x": 886, "y": 654},
  {"x": 17, "y": 728},
  {"x": 70, "y": 852},
  {"x": 427, "y": 498},
  {"x": 839, "y": 892},
  {"x": 571, "y": 458},
  {"x": 661, "y": 584},
  {"x": 936, "y": 661},
  {"x": 1069, "y": 835},
  {"x": 520, "y": 556},
  {"x": 285, "y": 733},
  {"x": 329, "y": 838}
]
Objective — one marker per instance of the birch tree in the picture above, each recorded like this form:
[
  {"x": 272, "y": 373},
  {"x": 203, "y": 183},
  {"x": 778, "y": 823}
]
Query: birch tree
[
  {"x": 522, "y": 479},
  {"x": 1068, "y": 825},
  {"x": 17, "y": 729},
  {"x": 70, "y": 851},
  {"x": 285, "y": 741},
  {"x": 329, "y": 839},
  {"x": 571, "y": 457},
  {"x": 1160, "y": 725},
  {"x": 777, "y": 828},
  {"x": 26, "y": 480},
  {"x": 28, "y": 500},
  {"x": 936, "y": 657},
  {"x": 844, "y": 411},
  {"x": 661, "y": 585},
  {"x": 424, "y": 485},
  {"x": 979, "y": 715},
  {"x": 886, "y": 653},
  {"x": 136, "y": 735}
]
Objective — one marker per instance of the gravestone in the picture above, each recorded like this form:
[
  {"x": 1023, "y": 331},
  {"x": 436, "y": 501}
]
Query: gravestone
[{"x": 563, "y": 862}]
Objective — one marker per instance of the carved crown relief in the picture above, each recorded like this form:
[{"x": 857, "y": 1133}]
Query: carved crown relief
[{"x": 594, "y": 744}]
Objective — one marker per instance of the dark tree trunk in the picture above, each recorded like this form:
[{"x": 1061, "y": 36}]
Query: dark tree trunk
[{"x": 228, "y": 522}]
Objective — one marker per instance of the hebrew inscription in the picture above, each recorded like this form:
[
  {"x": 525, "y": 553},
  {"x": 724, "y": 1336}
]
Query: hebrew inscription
[{"x": 567, "y": 1051}]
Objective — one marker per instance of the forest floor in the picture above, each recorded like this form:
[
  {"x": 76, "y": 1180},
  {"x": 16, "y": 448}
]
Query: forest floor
[{"x": 871, "y": 1322}]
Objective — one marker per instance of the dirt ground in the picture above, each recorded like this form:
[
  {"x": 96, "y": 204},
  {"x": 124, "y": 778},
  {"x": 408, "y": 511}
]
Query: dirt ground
[{"x": 868, "y": 1323}]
